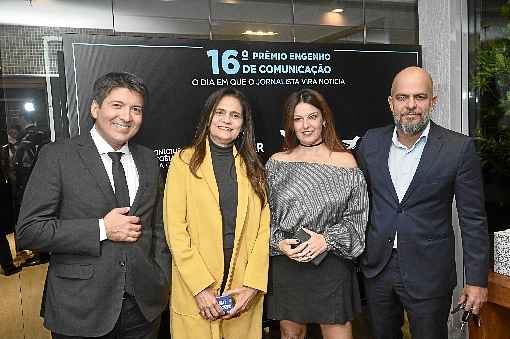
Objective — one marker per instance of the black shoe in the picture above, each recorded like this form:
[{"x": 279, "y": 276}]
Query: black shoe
[
  {"x": 11, "y": 269},
  {"x": 37, "y": 259}
]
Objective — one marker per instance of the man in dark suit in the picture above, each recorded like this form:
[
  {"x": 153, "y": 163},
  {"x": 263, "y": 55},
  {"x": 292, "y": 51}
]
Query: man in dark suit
[
  {"x": 414, "y": 169},
  {"x": 94, "y": 203},
  {"x": 6, "y": 214}
]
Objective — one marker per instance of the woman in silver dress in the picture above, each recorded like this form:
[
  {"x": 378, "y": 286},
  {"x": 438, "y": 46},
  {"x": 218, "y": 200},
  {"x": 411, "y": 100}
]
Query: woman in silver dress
[{"x": 316, "y": 191}]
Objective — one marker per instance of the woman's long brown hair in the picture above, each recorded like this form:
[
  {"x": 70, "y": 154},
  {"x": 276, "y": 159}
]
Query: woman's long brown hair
[
  {"x": 245, "y": 142},
  {"x": 314, "y": 98}
]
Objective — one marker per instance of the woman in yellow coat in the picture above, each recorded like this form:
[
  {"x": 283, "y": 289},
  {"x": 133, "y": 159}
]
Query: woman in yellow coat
[{"x": 217, "y": 225}]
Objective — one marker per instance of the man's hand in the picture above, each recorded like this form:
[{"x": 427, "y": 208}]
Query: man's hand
[
  {"x": 122, "y": 227},
  {"x": 243, "y": 297},
  {"x": 474, "y": 297},
  {"x": 209, "y": 307}
]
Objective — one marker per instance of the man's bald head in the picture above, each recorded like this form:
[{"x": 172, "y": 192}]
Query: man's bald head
[
  {"x": 412, "y": 100},
  {"x": 412, "y": 73}
]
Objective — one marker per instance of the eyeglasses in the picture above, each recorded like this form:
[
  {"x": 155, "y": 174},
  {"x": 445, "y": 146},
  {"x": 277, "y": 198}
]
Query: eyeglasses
[{"x": 466, "y": 316}]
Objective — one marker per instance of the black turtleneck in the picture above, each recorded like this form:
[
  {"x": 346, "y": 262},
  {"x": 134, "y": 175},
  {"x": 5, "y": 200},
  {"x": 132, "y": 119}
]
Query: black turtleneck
[{"x": 226, "y": 179}]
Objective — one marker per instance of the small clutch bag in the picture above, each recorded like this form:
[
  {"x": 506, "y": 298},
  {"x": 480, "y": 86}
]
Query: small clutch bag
[{"x": 302, "y": 236}]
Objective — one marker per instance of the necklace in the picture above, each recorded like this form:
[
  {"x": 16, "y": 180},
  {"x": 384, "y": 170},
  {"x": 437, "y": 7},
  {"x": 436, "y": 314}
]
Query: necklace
[{"x": 317, "y": 144}]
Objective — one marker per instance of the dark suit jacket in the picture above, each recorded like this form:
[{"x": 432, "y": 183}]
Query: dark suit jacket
[
  {"x": 67, "y": 193},
  {"x": 449, "y": 167}
]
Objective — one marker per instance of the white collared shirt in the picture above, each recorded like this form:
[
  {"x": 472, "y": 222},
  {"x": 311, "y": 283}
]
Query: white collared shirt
[
  {"x": 403, "y": 162},
  {"x": 129, "y": 169}
]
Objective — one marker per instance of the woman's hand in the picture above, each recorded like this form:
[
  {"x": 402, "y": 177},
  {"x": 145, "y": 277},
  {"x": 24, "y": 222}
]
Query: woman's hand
[
  {"x": 209, "y": 307},
  {"x": 243, "y": 297},
  {"x": 285, "y": 246},
  {"x": 313, "y": 246}
]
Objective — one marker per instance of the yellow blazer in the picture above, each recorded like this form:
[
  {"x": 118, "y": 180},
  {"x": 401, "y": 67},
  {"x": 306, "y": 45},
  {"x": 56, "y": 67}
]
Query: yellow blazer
[{"x": 193, "y": 226}]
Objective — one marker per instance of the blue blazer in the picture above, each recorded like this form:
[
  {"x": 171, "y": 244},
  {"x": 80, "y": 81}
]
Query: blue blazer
[{"x": 449, "y": 167}]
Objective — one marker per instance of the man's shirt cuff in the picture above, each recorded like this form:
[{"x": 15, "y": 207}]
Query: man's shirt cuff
[{"x": 102, "y": 230}]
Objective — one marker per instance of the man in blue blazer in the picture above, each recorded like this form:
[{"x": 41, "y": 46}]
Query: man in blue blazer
[
  {"x": 94, "y": 203},
  {"x": 414, "y": 170}
]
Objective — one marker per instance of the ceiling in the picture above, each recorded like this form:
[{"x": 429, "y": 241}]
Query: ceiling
[{"x": 311, "y": 20}]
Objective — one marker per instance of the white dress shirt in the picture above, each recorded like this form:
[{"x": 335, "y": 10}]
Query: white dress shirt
[
  {"x": 129, "y": 169},
  {"x": 403, "y": 162}
]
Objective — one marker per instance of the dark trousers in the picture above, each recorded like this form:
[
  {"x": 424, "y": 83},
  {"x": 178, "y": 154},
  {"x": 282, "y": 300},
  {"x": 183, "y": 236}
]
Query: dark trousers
[
  {"x": 130, "y": 325},
  {"x": 5, "y": 250},
  {"x": 387, "y": 298}
]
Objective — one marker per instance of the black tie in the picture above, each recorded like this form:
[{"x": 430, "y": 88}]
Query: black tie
[{"x": 119, "y": 180}]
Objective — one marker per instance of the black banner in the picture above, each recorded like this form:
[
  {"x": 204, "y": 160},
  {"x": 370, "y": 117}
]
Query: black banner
[{"x": 355, "y": 80}]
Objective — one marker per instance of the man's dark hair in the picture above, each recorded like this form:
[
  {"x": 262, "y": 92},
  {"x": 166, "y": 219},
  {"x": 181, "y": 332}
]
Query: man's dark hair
[{"x": 105, "y": 84}]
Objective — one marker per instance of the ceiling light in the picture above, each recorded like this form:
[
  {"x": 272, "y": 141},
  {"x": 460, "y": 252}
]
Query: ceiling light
[
  {"x": 29, "y": 106},
  {"x": 259, "y": 33},
  {"x": 231, "y": 2},
  {"x": 338, "y": 10}
]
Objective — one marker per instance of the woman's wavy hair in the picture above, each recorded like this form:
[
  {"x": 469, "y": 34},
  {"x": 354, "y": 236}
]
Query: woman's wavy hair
[
  {"x": 314, "y": 98},
  {"x": 245, "y": 142}
]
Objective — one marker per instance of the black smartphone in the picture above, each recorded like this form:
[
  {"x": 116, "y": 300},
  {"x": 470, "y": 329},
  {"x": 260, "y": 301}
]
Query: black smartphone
[{"x": 302, "y": 236}]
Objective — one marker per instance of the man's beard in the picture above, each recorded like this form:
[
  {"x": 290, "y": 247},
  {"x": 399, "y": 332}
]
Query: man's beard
[{"x": 412, "y": 128}]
